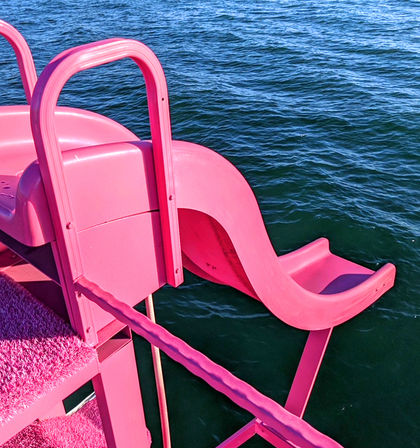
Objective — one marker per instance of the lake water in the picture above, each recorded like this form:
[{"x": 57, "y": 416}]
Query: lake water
[{"x": 317, "y": 103}]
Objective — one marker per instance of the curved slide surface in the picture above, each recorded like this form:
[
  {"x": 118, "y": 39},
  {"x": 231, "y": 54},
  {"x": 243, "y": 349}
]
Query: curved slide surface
[{"x": 224, "y": 240}]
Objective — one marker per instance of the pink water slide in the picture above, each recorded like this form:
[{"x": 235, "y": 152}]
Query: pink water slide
[
  {"x": 110, "y": 219},
  {"x": 224, "y": 240}
]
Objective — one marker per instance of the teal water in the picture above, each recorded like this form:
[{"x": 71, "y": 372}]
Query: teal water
[{"x": 317, "y": 103}]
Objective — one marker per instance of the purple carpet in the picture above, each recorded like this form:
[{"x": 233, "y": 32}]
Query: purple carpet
[
  {"x": 38, "y": 351},
  {"x": 82, "y": 429}
]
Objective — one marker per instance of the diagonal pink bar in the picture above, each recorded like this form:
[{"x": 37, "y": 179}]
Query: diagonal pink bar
[
  {"x": 307, "y": 371},
  {"x": 241, "y": 436},
  {"x": 287, "y": 425}
]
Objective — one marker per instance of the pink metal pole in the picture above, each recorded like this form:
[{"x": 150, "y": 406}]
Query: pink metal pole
[
  {"x": 287, "y": 425},
  {"x": 307, "y": 371},
  {"x": 270, "y": 436},
  {"x": 160, "y": 386},
  {"x": 241, "y": 436},
  {"x": 299, "y": 394},
  {"x": 23, "y": 56},
  {"x": 119, "y": 400},
  {"x": 254, "y": 427}
]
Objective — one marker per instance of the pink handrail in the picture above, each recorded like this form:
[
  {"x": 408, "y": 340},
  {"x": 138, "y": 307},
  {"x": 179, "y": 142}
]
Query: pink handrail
[
  {"x": 47, "y": 91},
  {"x": 23, "y": 56},
  {"x": 280, "y": 421}
]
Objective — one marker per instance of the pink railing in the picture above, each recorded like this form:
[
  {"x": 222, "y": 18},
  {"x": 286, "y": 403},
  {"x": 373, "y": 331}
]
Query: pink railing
[
  {"x": 23, "y": 56},
  {"x": 45, "y": 97},
  {"x": 277, "y": 419}
]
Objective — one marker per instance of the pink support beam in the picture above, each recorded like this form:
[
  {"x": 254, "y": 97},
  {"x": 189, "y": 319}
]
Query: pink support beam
[
  {"x": 255, "y": 427},
  {"x": 270, "y": 436},
  {"x": 299, "y": 394},
  {"x": 271, "y": 413},
  {"x": 307, "y": 371},
  {"x": 119, "y": 400},
  {"x": 241, "y": 436},
  {"x": 160, "y": 385}
]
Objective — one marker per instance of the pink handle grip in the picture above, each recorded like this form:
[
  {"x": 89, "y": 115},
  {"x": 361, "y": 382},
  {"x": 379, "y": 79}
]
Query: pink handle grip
[
  {"x": 23, "y": 56},
  {"x": 47, "y": 91}
]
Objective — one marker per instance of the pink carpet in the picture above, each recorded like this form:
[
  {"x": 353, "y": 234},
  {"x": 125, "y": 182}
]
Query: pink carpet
[
  {"x": 80, "y": 430},
  {"x": 38, "y": 351}
]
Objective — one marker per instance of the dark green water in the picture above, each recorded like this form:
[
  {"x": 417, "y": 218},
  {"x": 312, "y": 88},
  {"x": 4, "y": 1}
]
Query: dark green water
[{"x": 318, "y": 104}]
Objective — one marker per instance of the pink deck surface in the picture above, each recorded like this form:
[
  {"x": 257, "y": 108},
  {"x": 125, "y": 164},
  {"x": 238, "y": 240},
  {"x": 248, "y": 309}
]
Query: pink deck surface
[
  {"x": 82, "y": 429},
  {"x": 38, "y": 351}
]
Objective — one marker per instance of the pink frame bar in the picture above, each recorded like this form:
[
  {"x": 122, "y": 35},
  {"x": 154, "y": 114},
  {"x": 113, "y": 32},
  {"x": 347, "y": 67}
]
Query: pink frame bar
[
  {"x": 241, "y": 436},
  {"x": 160, "y": 385},
  {"x": 44, "y": 101},
  {"x": 23, "y": 56},
  {"x": 119, "y": 398},
  {"x": 307, "y": 371},
  {"x": 297, "y": 400}
]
